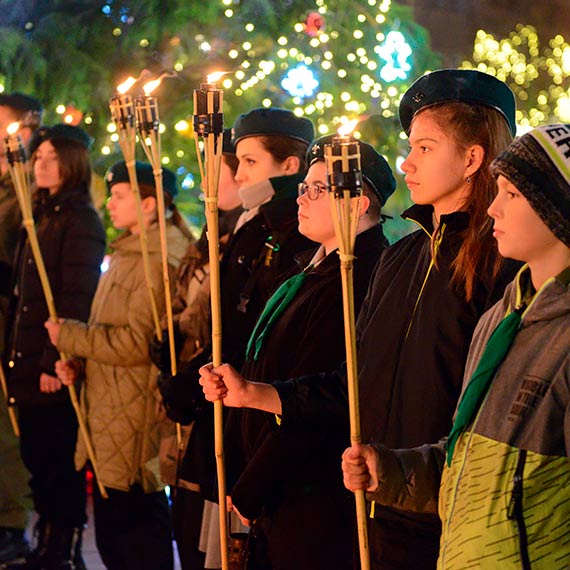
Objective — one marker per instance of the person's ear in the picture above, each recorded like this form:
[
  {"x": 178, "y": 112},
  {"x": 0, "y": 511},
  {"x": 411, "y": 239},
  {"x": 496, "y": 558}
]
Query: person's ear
[
  {"x": 474, "y": 157},
  {"x": 364, "y": 205},
  {"x": 292, "y": 164},
  {"x": 149, "y": 205}
]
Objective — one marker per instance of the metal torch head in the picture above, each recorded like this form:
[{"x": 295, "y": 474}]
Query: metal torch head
[
  {"x": 122, "y": 111},
  {"x": 208, "y": 110},
  {"x": 15, "y": 150},
  {"x": 342, "y": 161},
  {"x": 146, "y": 110}
]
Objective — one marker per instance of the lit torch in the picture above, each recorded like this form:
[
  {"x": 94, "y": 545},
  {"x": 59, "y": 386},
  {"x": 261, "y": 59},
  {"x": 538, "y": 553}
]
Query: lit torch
[
  {"x": 18, "y": 166},
  {"x": 344, "y": 179},
  {"x": 208, "y": 125},
  {"x": 123, "y": 115}
]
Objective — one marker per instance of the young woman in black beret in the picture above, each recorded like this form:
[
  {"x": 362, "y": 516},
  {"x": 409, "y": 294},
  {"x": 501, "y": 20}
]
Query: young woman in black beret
[
  {"x": 72, "y": 243},
  {"x": 426, "y": 296}
]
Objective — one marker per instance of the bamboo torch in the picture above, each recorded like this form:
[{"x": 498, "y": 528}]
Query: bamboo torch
[
  {"x": 344, "y": 178},
  {"x": 208, "y": 125},
  {"x": 123, "y": 114},
  {"x": 148, "y": 123},
  {"x": 17, "y": 163}
]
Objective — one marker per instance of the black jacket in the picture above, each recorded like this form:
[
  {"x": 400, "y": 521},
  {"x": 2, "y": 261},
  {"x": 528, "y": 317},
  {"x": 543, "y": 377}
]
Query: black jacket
[
  {"x": 259, "y": 256},
  {"x": 250, "y": 272},
  {"x": 72, "y": 243},
  {"x": 281, "y": 478},
  {"x": 413, "y": 335}
]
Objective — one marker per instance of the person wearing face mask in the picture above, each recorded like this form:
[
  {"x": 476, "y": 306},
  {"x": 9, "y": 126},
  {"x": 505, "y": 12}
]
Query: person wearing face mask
[
  {"x": 299, "y": 520},
  {"x": 271, "y": 144},
  {"x": 72, "y": 242}
]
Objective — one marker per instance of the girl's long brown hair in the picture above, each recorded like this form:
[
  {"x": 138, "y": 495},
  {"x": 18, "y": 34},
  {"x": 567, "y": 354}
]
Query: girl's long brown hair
[{"x": 472, "y": 124}]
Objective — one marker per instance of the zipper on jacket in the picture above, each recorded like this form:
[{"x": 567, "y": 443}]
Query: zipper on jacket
[
  {"x": 437, "y": 243},
  {"x": 515, "y": 509}
]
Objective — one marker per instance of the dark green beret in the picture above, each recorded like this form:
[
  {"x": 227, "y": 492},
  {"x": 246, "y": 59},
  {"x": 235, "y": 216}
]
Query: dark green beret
[
  {"x": 467, "y": 85},
  {"x": 21, "y": 102},
  {"x": 273, "y": 121},
  {"x": 60, "y": 131},
  {"x": 376, "y": 172},
  {"x": 119, "y": 173}
]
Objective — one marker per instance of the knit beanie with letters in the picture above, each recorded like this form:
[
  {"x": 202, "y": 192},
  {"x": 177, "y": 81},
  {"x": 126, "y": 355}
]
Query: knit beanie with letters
[{"x": 538, "y": 164}]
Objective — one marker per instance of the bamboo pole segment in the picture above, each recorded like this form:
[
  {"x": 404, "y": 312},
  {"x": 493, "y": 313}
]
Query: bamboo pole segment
[
  {"x": 11, "y": 412},
  {"x": 208, "y": 124},
  {"x": 344, "y": 177},
  {"x": 123, "y": 114},
  {"x": 18, "y": 169},
  {"x": 148, "y": 123}
]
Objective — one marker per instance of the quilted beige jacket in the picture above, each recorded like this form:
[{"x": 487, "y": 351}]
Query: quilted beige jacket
[{"x": 120, "y": 398}]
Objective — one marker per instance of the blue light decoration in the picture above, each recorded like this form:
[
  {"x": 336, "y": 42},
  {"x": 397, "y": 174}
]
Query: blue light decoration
[
  {"x": 188, "y": 182},
  {"x": 395, "y": 51},
  {"x": 300, "y": 82}
]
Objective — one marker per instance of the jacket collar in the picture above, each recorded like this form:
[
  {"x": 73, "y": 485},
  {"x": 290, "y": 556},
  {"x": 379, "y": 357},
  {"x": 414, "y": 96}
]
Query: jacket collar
[
  {"x": 68, "y": 198},
  {"x": 551, "y": 301},
  {"x": 423, "y": 217},
  {"x": 331, "y": 262},
  {"x": 282, "y": 208}
]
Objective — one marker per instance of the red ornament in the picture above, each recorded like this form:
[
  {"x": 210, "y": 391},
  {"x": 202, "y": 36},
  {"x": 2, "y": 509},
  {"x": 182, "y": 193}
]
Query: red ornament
[
  {"x": 314, "y": 24},
  {"x": 72, "y": 116}
]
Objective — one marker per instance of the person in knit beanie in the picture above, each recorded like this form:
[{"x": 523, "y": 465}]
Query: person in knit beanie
[{"x": 501, "y": 478}]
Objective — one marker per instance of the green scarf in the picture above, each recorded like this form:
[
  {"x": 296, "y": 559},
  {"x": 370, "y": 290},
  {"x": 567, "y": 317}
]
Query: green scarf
[
  {"x": 495, "y": 351},
  {"x": 275, "y": 306}
]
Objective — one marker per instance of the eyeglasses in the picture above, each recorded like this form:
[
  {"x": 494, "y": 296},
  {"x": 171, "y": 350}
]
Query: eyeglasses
[{"x": 313, "y": 191}]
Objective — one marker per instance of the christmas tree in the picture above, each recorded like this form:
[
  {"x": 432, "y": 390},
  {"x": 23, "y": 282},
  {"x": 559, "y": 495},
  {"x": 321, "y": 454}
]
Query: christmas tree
[{"x": 329, "y": 61}]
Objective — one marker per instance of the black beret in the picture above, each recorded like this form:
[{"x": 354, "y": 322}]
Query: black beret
[
  {"x": 272, "y": 121},
  {"x": 60, "y": 131},
  {"x": 21, "y": 102},
  {"x": 119, "y": 173},
  {"x": 376, "y": 172},
  {"x": 467, "y": 85}
]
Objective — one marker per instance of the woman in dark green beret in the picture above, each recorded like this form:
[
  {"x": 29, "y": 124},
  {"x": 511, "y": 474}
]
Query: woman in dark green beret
[{"x": 120, "y": 396}]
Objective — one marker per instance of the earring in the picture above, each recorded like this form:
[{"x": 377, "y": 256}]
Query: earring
[{"x": 468, "y": 180}]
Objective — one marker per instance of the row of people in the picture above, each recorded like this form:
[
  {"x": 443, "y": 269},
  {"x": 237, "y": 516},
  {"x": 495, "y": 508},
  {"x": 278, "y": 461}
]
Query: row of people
[{"x": 426, "y": 295}]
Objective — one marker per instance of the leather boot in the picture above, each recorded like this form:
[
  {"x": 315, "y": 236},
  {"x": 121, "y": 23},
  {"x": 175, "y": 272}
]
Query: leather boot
[{"x": 64, "y": 549}]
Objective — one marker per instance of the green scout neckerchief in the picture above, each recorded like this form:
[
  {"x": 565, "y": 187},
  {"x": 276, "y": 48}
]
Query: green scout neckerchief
[
  {"x": 277, "y": 303},
  {"x": 495, "y": 351}
]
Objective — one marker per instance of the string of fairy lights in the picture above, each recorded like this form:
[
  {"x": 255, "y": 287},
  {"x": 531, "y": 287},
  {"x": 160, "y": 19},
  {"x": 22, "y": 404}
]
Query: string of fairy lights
[
  {"x": 307, "y": 67},
  {"x": 539, "y": 76}
]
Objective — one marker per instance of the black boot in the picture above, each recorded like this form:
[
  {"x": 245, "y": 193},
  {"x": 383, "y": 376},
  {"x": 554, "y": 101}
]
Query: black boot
[
  {"x": 64, "y": 549},
  {"x": 58, "y": 548}
]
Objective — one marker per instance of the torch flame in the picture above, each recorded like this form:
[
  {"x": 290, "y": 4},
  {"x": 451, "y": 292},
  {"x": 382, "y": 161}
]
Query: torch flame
[
  {"x": 213, "y": 77},
  {"x": 149, "y": 87},
  {"x": 126, "y": 85},
  {"x": 13, "y": 128},
  {"x": 347, "y": 128}
]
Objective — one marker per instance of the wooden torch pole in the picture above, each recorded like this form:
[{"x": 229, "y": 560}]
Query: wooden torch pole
[
  {"x": 17, "y": 164},
  {"x": 208, "y": 124},
  {"x": 344, "y": 177}
]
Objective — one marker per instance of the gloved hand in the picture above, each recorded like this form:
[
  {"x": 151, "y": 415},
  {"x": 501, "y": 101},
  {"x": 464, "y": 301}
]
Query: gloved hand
[
  {"x": 159, "y": 350},
  {"x": 182, "y": 396}
]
